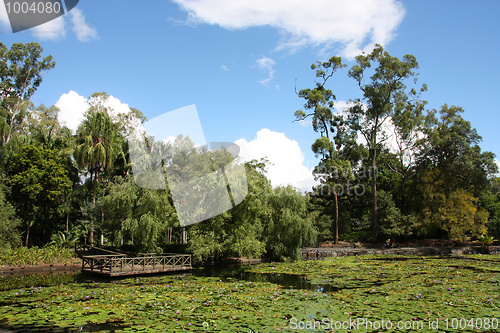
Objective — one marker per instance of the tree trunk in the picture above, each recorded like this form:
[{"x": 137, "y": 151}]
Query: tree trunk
[
  {"x": 121, "y": 234},
  {"x": 67, "y": 223},
  {"x": 336, "y": 228},
  {"x": 93, "y": 179},
  {"x": 102, "y": 222},
  {"x": 27, "y": 234},
  {"x": 169, "y": 236},
  {"x": 94, "y": 187},
  {"x": 184, "y": 235},
  {"x": 374, "y": 198},
  {"x": 403, "y": 199}
]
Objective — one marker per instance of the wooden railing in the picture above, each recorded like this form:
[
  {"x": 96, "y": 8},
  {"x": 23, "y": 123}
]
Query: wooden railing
[
  {"x": 128, "y": 266},
  {"x": 87, "y": 250}
]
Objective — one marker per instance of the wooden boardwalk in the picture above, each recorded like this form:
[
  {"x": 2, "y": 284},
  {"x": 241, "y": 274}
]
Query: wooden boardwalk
[{"x": 119, "y": 265}]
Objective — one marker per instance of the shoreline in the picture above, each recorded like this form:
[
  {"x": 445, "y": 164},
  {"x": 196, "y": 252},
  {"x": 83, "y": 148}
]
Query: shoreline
[
  {"x": 9, "y": 270},
  {"x": 308, "y": 253}
]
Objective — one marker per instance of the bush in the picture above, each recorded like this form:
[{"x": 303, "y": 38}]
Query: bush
[
  {"x": 363, "y": 236},
  {"x": 34, "y": 255}
]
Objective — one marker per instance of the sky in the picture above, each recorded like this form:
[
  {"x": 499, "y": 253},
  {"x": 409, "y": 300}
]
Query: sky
[{"x": 239, "y": 62}]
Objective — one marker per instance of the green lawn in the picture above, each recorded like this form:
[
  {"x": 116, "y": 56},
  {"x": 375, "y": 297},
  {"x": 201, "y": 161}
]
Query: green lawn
[{"x": 371, "y": 291}]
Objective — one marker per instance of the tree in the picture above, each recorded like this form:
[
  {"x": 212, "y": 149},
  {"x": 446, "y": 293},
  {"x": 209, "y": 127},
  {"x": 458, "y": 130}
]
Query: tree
[
  {"x": 289, "y": 227},
  {"x": 334, "y": 136},
  {"x": 9, "y": 235},
  {"x": 453, "y": 212},
  {"x": 46, "y": 131},
  {"x": 21, "y": 73},
  {"x": 98, "y": 143},
  {"x": 409, "y": 124},
  {"x": 244, "y": 229},
  {"x": 119, "y": 205},
  {"x": 453, "y": 175},
  {"x": 453, "y": 148},
  {"x": 490, "y": 200},
  {"x": 382, "y": 94},
  {"x": 39, "y": 182}
]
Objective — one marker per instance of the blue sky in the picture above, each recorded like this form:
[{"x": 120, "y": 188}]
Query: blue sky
[{"x": 238, "y": 61}]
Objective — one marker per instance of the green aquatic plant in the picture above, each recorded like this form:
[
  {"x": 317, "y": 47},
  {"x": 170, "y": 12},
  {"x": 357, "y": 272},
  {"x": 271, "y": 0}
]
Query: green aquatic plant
[{"x": 424, "y": 290}]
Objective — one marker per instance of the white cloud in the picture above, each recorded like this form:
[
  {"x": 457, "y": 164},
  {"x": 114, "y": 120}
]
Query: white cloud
[
  {"x": 116, "y": 106},
  {"x": 83, "y": 31},
  {"x": 225, "y": 68},
  {"x": 286, "y": 158},
  {"x": 349, "y": 26},
  {"x": 497, "y": 161},
  {"x": 52, "y": 30},
  {"x": 72, "y": 107},
  {"x": 266, "y": 64}
]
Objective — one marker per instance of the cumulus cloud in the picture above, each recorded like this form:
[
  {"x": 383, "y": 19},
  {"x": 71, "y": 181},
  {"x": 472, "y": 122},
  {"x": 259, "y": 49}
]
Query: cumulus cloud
[
  {"x": 83, "y": 31},
  {"x": 286, "y": 158},
  {"x": 349, "y": 26},
  {"x": 266, "y": 64},
  {"x": 72, "y": 108}
]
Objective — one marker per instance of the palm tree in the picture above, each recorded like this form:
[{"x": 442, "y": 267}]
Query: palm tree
[{"x": 98, "y": 145}]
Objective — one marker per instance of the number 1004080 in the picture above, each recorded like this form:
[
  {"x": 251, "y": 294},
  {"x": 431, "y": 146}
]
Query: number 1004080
[
  {"x": 42, "y": 7},
  {"x": 474, "y": 323}
]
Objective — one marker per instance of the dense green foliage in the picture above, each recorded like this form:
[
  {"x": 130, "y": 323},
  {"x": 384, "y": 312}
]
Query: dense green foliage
[
  {"x": 62, "y": 188},
  {"x": 34, "y": 255},
  {"x": 425, "y": 170}
]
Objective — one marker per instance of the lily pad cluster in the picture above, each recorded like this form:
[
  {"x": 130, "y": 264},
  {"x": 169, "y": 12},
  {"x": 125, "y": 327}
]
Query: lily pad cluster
[{"x": 370, "y": 287}]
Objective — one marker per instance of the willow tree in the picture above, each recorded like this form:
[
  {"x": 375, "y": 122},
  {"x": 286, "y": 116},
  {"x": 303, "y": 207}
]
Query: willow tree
[
  {"x": 383, "y": 89},
  {"x": 98, "y": 143}
]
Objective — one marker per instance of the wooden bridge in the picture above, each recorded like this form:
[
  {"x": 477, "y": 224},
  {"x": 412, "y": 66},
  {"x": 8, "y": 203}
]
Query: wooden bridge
[{"x": 121, "y": 265}]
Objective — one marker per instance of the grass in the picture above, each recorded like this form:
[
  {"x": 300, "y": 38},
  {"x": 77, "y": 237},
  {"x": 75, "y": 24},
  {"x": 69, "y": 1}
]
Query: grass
[{"x": 415, "y": 290}]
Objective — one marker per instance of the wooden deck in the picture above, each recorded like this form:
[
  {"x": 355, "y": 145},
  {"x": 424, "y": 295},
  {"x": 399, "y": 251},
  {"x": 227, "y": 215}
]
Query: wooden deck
[{"x": 119, "y": 265}]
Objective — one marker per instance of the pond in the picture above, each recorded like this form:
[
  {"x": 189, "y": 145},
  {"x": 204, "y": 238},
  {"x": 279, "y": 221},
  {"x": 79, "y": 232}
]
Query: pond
[{"x": 310, "y": 295}]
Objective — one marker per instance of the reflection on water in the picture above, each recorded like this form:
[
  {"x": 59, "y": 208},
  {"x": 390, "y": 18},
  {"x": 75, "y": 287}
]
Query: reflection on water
[
  {"x": 287, "y": 281},
  {"x": 47, "y": 279}
]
